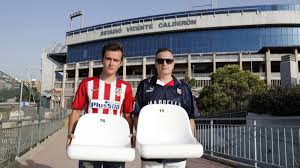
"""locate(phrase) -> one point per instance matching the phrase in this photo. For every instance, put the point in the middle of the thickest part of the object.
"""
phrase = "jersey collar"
(153, 80)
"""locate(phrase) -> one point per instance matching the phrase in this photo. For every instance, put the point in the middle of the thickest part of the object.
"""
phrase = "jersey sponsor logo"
(118, 92)
(164, 102)
(105, 104)
(151, 89)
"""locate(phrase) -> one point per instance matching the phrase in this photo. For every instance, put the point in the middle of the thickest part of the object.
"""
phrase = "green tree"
(29, 93)
(230, 90)
(190, 81)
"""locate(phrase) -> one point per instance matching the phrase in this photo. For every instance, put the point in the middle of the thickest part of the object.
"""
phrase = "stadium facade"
(254, 37)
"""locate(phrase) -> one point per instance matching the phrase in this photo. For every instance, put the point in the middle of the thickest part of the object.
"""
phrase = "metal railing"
(71, 66)
(21, 131)
(83, 64)
(276, 74)
(97, 63)
(200, 74)
(17, 137)
(134, 76)
(261, 142)
(70, 79)
(134, 60)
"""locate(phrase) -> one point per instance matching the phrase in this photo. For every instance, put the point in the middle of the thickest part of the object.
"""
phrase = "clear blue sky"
(28, 26)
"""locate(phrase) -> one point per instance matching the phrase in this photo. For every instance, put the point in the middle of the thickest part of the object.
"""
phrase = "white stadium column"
(62, 100)
(53, 75)
(124, 68)
(268, 66)
(91, 64)
(241, 61)
(214, 62)
(144, 67)
(189, 66)
(76, 76)
(53, 85)
(297, 64)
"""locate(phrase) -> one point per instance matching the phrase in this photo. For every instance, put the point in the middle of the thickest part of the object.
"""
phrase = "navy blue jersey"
(149, 92)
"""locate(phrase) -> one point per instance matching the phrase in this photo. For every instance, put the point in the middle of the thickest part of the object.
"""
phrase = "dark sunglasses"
(161, 61)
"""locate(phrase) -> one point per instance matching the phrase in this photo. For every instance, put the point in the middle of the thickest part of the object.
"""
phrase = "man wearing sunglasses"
(164, 88)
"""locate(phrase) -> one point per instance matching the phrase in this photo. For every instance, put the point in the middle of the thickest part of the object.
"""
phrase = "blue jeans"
(99, 164)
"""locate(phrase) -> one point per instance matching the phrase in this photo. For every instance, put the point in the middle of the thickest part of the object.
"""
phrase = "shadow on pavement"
(29, 164)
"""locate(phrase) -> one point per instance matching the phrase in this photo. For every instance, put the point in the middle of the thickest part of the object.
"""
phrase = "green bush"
(276, 101)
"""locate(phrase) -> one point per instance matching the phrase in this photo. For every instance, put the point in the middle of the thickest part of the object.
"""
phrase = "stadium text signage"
(177, 23)
(146, 27)
(139, 27)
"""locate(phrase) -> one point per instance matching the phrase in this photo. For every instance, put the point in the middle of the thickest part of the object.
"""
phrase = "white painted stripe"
(123, 87)
(101, 93)
(90, 94)
(112, 95)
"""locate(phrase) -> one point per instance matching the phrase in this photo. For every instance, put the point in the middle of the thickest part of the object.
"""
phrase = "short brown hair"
(112, 47)
(162, 50)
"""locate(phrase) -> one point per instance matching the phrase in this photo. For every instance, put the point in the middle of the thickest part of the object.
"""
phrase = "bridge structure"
(7, 81)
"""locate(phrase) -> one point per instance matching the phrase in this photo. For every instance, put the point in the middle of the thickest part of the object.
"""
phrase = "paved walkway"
(51, 154)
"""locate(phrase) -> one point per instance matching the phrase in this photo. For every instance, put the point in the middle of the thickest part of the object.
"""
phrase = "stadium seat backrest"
(102, 129)
(163, 124)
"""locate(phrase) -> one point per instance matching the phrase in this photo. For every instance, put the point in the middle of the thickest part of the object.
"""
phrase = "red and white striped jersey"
(100, 97)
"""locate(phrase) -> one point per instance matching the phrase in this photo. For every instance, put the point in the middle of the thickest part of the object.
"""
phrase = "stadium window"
(196, 14)
(126, 23)
(182, 15)
(147, 20)
(69, 33)
(291, 40)
(158, 18)
(250, 10)
(135, 21)
(170, 17)
(289, 31)
(295, 32)
(221, 12)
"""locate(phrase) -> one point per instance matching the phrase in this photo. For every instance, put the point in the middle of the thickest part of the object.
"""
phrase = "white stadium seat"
(164, 132)
(101, 137)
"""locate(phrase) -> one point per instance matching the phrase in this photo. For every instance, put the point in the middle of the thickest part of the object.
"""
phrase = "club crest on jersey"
(118, 92)
(151, 89)
(179, 91)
